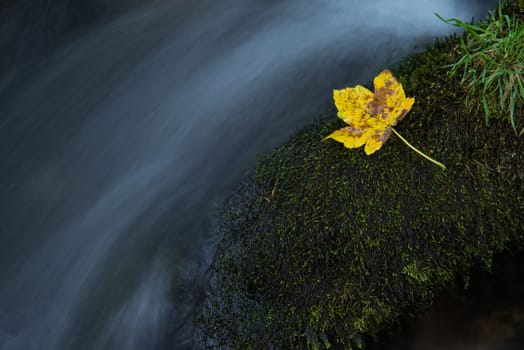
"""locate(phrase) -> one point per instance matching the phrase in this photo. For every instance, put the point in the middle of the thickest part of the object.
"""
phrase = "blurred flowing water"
(120, 143)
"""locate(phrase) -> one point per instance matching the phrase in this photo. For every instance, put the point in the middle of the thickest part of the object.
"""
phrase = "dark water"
(487, 315)
(118, 143)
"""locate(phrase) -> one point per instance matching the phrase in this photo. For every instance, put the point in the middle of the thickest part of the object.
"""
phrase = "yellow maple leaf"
(371, 116)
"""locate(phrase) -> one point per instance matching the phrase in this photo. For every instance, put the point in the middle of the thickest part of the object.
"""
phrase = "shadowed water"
(117, 148)
(487, 315)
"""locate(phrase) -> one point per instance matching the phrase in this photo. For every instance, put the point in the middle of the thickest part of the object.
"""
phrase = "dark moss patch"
(322, 246)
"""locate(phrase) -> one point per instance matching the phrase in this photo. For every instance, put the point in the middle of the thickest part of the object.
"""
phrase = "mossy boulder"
(323, 246)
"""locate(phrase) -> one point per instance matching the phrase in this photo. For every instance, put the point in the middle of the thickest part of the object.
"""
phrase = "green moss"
(322, 246)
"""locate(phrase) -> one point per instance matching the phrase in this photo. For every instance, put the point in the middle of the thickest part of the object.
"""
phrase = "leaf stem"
(416, 150)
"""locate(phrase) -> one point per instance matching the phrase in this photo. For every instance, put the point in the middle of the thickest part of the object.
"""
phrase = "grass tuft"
(492, 63)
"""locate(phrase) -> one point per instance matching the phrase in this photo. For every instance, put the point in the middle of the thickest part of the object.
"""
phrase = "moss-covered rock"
(322, 246)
